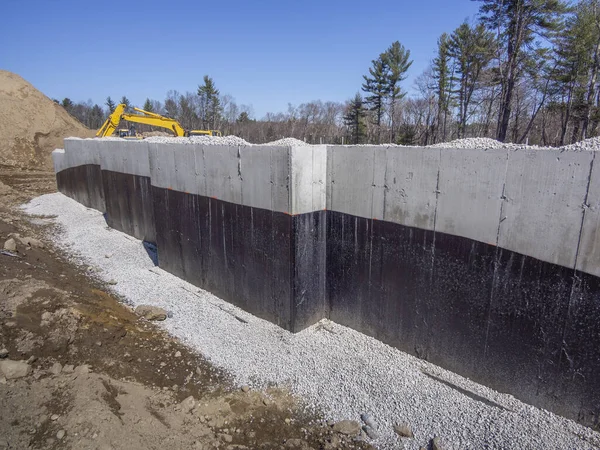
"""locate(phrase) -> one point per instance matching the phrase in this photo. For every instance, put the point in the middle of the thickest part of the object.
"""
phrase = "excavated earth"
(100, 377)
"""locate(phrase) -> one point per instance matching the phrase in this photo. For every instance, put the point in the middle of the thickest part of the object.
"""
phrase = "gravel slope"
(334, 369)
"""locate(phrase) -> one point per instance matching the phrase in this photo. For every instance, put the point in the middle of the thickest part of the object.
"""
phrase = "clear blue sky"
(264, 53)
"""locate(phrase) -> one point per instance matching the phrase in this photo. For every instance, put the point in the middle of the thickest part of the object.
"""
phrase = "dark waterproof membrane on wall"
(509, 321)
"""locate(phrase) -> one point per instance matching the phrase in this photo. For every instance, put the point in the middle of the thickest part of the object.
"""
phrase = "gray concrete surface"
(543, 206)
(589, 246)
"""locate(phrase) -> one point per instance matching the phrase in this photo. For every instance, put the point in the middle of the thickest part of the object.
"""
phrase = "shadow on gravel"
(152, 252)
(469, 394)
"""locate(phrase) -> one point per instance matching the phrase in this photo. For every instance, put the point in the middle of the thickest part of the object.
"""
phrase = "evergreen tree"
(443, 74)
(472, 49)
(67, 104)
(354, 119)
(397, 59)
(243, 117)
(576, 67)
(126, 102)
(377, 87)
(148, 106)
(518, 23)
(210, 103)
(110, 105)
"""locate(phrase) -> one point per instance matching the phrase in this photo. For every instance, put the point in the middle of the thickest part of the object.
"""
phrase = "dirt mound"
(32, 125)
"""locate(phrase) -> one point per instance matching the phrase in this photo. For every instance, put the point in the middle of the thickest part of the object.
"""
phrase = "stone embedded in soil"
(402, 429)
(227, 437)
(56, 368)
(188, 404)
(60, 434)
(245, 388)
(347, 427)
(3, 353)
(14, 369)
(83, 369)
(151, 312)
(68, 368)
(10, 245)
(32, 242)
(436, 444)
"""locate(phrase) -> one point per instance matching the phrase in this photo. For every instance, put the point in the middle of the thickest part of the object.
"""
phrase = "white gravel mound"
(481, 143)
(205, 140)
(289, 141)
(337, 370)
(587, 144)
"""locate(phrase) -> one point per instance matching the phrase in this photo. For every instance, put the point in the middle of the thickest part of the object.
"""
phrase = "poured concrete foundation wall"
(485, 262)
(224, 218)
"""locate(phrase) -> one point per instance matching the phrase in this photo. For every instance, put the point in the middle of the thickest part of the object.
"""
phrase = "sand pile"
(32, 125)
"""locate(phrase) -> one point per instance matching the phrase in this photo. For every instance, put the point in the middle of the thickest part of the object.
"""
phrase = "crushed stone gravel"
(335, 370)
(289, 141)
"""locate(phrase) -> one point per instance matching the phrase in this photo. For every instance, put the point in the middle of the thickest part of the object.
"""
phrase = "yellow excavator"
(148, 118)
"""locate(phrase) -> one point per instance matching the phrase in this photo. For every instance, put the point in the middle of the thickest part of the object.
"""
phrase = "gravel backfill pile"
(480, 143)
(336, 370)
(205, 140)
(289, 141)
(588, 144)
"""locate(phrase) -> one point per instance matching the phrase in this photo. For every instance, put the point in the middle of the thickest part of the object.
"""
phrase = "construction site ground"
(103, 378)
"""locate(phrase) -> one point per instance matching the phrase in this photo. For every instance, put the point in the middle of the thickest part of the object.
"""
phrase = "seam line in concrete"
(496, 257)
(575, 280)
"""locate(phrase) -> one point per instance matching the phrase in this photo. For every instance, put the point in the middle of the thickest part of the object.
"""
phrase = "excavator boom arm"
(112, 122)
(148, 118)
(156, 121)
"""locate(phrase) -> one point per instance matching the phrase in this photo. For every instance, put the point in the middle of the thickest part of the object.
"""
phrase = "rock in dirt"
(60, 434)
(347, 427)
(436, 444)
(245, 388)
(83, 369)
(227, 437)
(403, 430)
(188, 404)
(56, 368)
(151, 312)
(10, 245)
(14, 369)
(297, 444)
(32, 242)
(68, 368)
(3, 353)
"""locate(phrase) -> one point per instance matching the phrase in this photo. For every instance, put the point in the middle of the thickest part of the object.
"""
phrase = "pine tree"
(110, 105)
(148, 106)
(472, 49)
(126, 102)
(210, 103)
(243, 117)
(443, 74)
(397, 59)
(377, 87)
(518, 23)
(354, 119)
(67, 104)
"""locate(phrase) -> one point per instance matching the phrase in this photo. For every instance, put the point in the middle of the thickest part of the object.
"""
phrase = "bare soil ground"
(103, 378)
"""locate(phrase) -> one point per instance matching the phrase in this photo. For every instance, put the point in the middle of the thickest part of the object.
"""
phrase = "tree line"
(523, 71)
